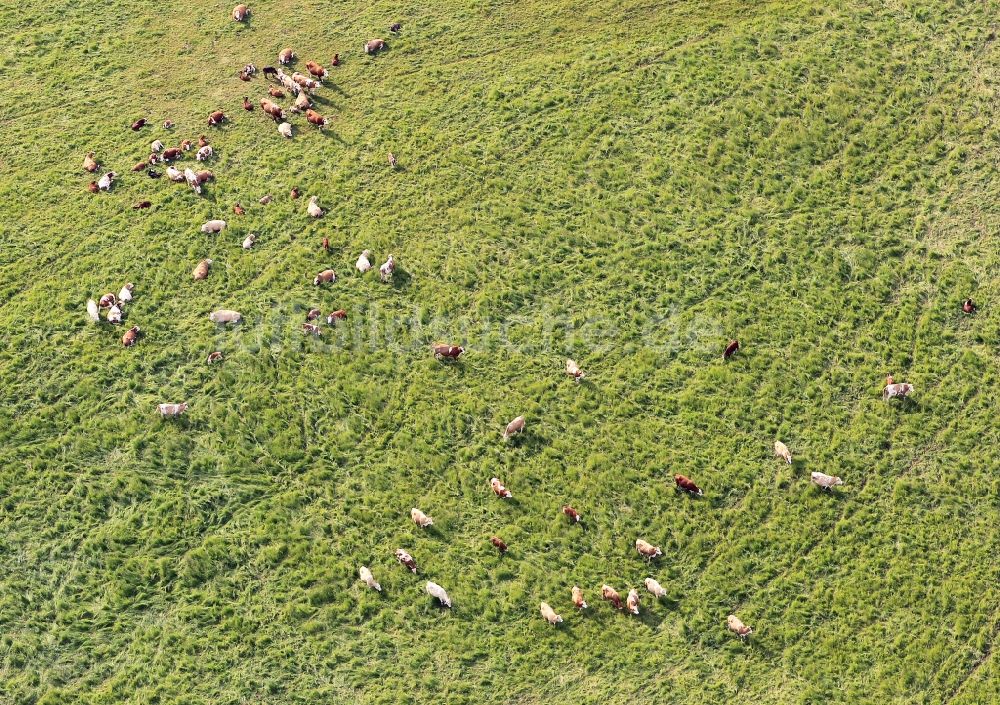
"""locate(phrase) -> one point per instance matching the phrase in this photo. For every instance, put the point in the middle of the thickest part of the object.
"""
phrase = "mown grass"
(629, 185)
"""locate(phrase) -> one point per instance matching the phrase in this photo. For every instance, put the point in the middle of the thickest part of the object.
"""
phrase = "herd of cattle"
(301, 88)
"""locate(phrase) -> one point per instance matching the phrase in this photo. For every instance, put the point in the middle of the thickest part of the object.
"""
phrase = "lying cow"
(224, 316)
(201, 271)
(574, 371)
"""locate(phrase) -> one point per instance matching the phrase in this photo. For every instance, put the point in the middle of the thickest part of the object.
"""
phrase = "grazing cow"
(171, 410)
(138, 124)
(392, 160)
(238, 209)
(438, 593)
(157, 146)
(311, 328)
(385, 272)
(574, 371)
(104, 183)
(968, 306)
(305, 82)
(611, 595)
(214, 226)
(92, 187)
(737, 626)
(224, 315)
(824, 481)
(201, 271)
(285, 56)
(325, 244)
(550, 614)
(373, 46)
(632, 601)
(247, 105)
(731, 349)
(216, 118)
(316, 119)
(574, 516)
(264, 200)
(249, 241)
(240, 12)
(395, 27)
(336, 60)
(420, 519)
(172, 154)
(368, 579)
(781, 450)
(900, 390)
(270, 71)
(272, 109)
(115, 314)
(313, 208)
(141, 205)
(93, 310)
(499, 490)
(316, 70)
(498, 542)
(139, 166)
(578, 600)
(687, 484)
(126, 293)
(513, 428)
(647, 550)
(313, 314)
(327, 276)
(175, 174)
(285, 80)
(655, 588)
(107, 301)
(205, 152)
(407, 560)
(364, 264)
(301, 103)
(89, 163)
(153, 174)
(294, 193)
(214, 357)
(450, 352)
(338, 315)
(285, 130)
(192, 180)
(131, 335)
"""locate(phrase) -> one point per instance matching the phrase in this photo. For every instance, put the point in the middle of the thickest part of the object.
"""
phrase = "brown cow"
(316, 119)
(140, 205)
(611, 595)
(647, 550)
(216, 118)
(498, 542)
(407, 560)
(737, 626)
(201, 271)
(574, 516)
(968, 306)
(89, 163)
(316, 70)
(327, 276)
(131, 335)
(578, 600)
(240, 12)
(138, 124)
(686, 484)
(172, 154)
(275, 92)
(733, 346)
(247, 105)
(140, 166)
(214, 357)
(338, 315)
(450, 352)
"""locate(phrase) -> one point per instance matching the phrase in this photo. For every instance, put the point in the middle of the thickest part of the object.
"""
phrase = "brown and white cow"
(216, 118)
(407, 560)
(687, 484)
(373, 46)
(387, 269)
(578, 600)
(574, 516)
(574, 371)
(131, 336)
(611, 595)
(327, 276)
(316, 70)
(513, 428)
(316, 119)
(338, 315)
(450, 352)
(737, 626)
(171, 410)
(240, 12)
(899, 390)
(286, 56)
(647, 550)
(550, 614)
(499, 490)
(632, 601)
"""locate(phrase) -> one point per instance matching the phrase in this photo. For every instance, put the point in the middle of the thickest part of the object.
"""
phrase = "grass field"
(628, 184)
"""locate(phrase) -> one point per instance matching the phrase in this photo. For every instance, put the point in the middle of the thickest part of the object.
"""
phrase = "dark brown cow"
(216, 118)
(731, 349)
(338, 315)
(139, 124)
(247, 105)
(498, 542)
(450, 352)
(172, 154)
(131, 335)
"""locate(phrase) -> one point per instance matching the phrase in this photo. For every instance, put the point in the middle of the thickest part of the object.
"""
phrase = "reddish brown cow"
(172, 154)
(316, 119)
(139, 124)
(247, 105)
(448, 351)
(574, 516)
(131, 335)
(686, 484)
(216, 118)
(338, 315)
(498, 542)
(315, 69)
(733, 346)
(611, 595)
